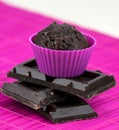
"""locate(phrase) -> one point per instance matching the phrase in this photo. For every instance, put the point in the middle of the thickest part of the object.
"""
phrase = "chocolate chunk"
(87, 85)
(72, 108)
(64, 108)
(61, 37)
(32, 95)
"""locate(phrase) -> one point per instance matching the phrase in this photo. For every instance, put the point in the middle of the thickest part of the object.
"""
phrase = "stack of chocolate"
(57, 99)
(60, 51)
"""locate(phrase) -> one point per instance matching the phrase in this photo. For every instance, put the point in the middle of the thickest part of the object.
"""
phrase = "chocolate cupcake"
(61, 50)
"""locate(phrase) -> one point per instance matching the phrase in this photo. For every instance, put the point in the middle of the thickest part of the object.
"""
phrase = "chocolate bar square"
(32, 95)
(72, 108)
(87, 85)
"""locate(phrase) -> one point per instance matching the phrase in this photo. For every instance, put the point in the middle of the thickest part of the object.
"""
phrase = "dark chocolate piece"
(32, 95)
(72, 108)
(87, 85)
(60, 37)
(64, 109)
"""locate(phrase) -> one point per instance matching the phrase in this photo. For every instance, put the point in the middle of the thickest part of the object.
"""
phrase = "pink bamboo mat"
(15, 28)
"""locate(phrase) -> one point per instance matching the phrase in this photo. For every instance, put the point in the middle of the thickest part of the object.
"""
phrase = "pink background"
(15, 28)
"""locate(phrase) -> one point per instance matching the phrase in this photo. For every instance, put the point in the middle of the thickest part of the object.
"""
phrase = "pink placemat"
(15, 28)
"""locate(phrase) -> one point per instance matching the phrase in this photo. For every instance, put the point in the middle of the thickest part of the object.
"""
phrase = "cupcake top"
(61, 37)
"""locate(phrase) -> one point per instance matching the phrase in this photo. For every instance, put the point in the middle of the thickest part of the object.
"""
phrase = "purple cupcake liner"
(62, 63)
